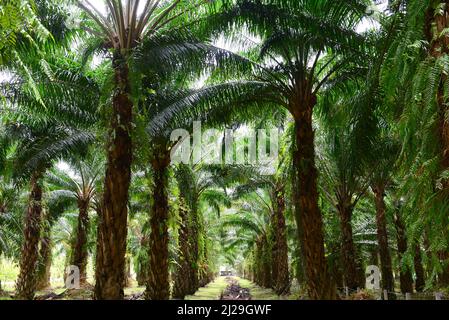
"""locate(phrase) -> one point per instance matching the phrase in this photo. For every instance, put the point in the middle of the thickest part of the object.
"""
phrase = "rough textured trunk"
(352, 269)
(335, 267)
(158, 287)
(419, 270)
(113, 225)
(206, 274)
(266, 264)
(405, 274)
(382, 239)
(273, 242)
(262, 262)
(26, 282)
(43, 273)
(98, 251)
(280, 260)
(194, 229)
(141, 276)
(181, 278)
(80, 249)
(142, 264)
(258, 263)
(319, 281)
(300, 268)
(255, 269)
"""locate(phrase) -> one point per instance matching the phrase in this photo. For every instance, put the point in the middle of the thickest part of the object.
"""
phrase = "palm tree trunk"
(419, 270)
(382, 239)
(266, 264)
(113, 225)
(319, 281)
(26, 282)
(206, 275)
(273, 242)
(258, 263)
(141, 275)
(405, 276)
(142, 266)
(297, 265)
(300, 269)
(181, 278)
(335, 266)
(281, 278)
(80, 249)
(351, 265)
(44, 267)
(194, 256)
(142, 263)
(158, 287)
(262, 267)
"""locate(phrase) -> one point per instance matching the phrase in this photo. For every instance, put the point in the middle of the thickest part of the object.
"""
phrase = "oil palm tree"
(251, 181)
(82, 187)
(40, 133)
(168, 109)
(198, 187)
(125, 25)
(421, 109)
(249, 229)
(41, 146)
(405, 272)
(56, 204)
(381, 180)
(51, 143)
(312, 47)
(345, 177)
(139, 225)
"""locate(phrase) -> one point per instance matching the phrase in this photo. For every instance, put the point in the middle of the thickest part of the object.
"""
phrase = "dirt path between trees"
(234, 291)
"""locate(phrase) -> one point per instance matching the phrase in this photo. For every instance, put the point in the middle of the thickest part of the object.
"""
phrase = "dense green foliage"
(93, 96)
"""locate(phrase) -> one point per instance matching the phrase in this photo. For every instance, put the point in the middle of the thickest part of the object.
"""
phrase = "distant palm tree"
(249, 228)
(251, 181)
(345, 178)
(57, 203)
(169, 108)
(37, 148)
(40, 133)
(197, 186)
(83, 189)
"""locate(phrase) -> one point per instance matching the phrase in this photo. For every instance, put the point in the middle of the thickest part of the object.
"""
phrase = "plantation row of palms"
(91, 92)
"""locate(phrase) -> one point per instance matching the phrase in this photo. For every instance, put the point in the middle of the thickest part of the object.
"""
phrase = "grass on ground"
(258, 293)
(211, 291)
